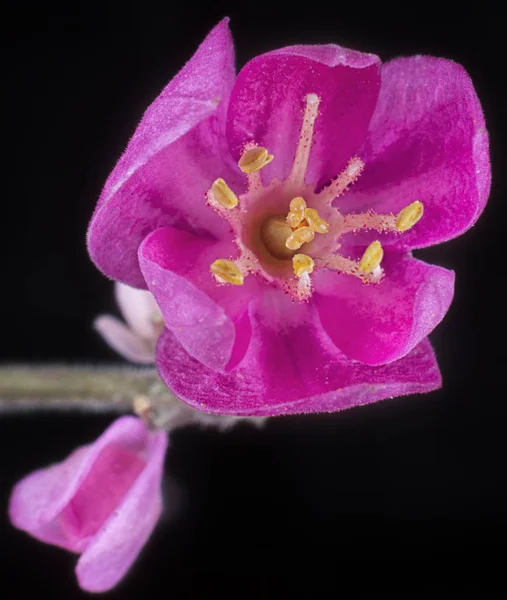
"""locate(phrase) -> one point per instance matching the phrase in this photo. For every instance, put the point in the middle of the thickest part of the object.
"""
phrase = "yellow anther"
(227, 272)
(409, 216)
(224, 195)
(254, 159)
(302, 263)
(372, 258)
(296, 212)
(315, 221)
(299, 237)
(297, 204)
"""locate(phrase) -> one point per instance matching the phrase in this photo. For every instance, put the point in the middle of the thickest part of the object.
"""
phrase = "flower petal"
(176, 152)
(427, 141)
(380, 323)
(42, 502)
(124, 341)
(269, 96)
(202, 314)
(291, 367)
(138, 307)
(118, 543)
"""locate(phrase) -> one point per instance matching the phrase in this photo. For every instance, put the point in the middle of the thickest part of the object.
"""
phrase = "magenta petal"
(379, 323)
(202, 314)
(427, 141)
(291, 367)
(118, 543)
(68, 503)
(178, 149)
(269, 96)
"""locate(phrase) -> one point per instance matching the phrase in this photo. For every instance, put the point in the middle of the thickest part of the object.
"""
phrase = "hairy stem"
(81, 387)
(101, 389)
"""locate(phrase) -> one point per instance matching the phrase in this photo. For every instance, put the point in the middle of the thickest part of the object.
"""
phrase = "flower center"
(283, 235)
(285, 230)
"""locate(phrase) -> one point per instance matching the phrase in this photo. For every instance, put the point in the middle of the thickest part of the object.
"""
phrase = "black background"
(382, 496)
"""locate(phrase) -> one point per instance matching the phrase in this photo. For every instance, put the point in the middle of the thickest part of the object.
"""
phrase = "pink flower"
(273, 214)
(102, 502)
(135, 341)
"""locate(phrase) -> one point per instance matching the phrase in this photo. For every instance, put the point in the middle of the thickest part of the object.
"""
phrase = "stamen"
(315, 221)
(254, 159)
(304, 287)
(340, 263)
(226, 271)
(272, 240)
(302, 263)
(369, 220)
(344, 179)
(297, 212)
(305, 140)
(224, 195)
(301, 236)
(372, 257)
(409, 216)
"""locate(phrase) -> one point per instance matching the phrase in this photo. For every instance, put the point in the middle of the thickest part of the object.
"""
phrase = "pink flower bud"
(101, 502)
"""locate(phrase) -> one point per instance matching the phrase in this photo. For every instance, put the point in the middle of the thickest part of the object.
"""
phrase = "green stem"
(101, 389)
(80, 387)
